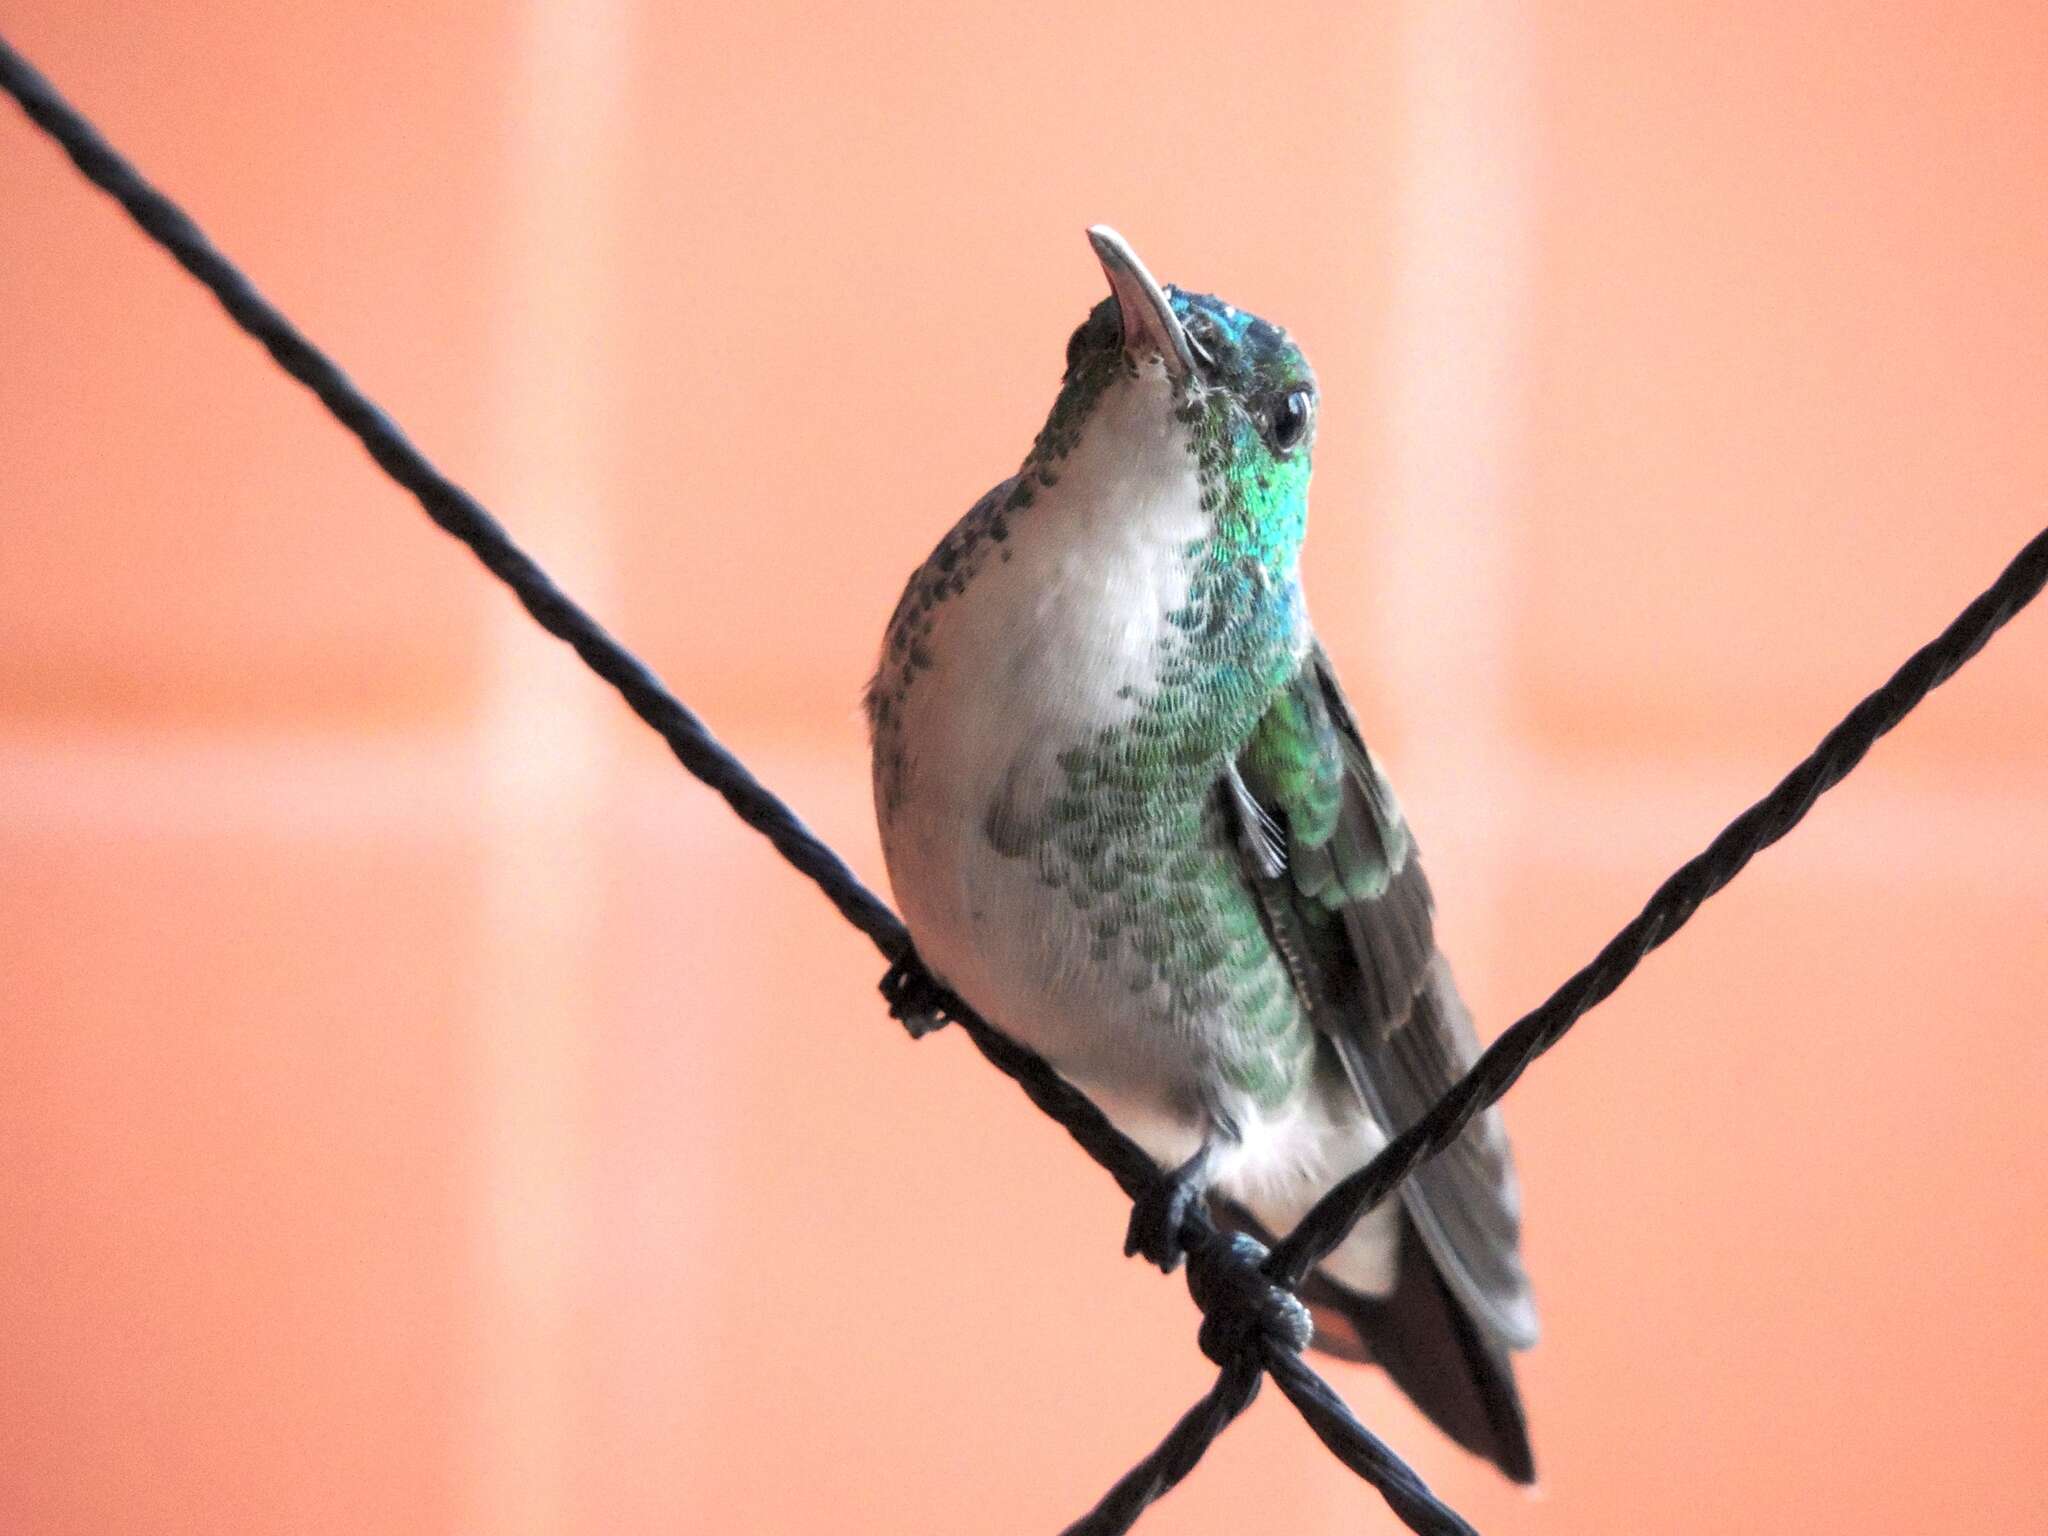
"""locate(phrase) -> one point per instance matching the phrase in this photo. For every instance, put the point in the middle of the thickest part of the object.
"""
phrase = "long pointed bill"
(1151, 329)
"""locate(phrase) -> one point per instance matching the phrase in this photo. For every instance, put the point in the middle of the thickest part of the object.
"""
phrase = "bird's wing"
(1336, 869)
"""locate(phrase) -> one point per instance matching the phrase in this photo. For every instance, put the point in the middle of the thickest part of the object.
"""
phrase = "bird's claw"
(1156, 1215)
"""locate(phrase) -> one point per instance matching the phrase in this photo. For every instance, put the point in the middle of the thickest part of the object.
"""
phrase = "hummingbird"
(1131, 819)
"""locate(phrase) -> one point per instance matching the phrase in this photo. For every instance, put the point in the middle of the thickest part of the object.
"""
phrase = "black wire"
(1257, 1349)
(1177, 1454)
(1361, 1450)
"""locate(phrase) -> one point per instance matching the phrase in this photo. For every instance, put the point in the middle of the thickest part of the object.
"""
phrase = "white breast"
(1054, 638)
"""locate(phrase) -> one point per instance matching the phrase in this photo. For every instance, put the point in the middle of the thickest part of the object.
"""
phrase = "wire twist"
(1252, 1321)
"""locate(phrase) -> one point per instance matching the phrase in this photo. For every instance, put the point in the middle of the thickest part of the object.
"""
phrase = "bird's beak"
(1151, 329)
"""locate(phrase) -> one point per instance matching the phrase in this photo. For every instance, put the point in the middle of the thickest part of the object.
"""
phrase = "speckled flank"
(1136, 836)
(946, 574)
(951, 567)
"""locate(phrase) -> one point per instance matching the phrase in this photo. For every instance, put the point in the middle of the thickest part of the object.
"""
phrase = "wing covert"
(1353, 915)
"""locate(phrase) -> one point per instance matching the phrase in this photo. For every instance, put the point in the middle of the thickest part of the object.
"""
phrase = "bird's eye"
(1287, 419)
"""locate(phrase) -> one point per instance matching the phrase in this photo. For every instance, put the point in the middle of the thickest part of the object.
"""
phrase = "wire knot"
(1241, 1305)
(915, 998)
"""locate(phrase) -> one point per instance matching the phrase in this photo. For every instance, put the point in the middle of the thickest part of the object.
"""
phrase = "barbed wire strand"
(1244, 1293)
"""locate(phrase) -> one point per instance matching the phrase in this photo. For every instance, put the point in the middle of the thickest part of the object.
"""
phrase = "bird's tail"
(1421, 1337)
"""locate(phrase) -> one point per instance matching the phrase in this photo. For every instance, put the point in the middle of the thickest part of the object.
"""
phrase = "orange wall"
(426, 1110)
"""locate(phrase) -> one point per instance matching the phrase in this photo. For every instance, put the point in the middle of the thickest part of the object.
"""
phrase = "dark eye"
(1287, 419)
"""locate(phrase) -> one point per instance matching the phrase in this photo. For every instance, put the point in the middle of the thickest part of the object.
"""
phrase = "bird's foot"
(1156, 1215)
(915, 999)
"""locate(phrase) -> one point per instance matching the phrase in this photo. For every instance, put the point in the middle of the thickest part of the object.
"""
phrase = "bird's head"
(1229, 385)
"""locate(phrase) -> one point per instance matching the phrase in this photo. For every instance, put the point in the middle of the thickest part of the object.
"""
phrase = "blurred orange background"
(425, 1109)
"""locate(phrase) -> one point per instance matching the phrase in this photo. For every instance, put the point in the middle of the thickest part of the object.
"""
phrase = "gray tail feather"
(1422, 1339)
